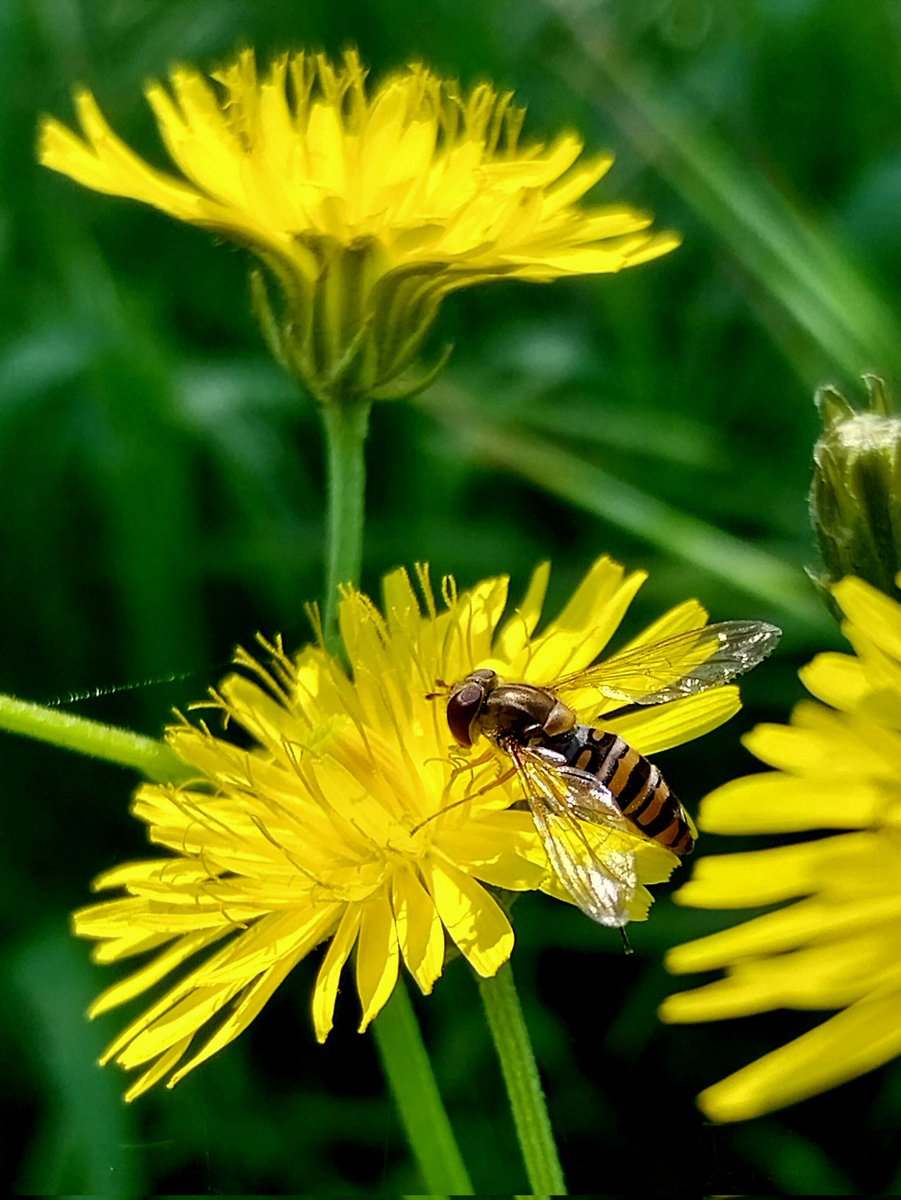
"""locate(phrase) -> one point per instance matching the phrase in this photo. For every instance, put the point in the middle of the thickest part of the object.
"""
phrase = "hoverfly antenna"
(627, 945)
(439, 683)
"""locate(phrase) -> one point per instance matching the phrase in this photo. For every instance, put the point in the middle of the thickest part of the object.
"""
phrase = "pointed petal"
(419, 930)
(813, 920)
(514, 635)
(837, 679)
(581, 631)
(151, 973)
(777, 803)
(326, 990)
(248, 1009)
(855, 1041)
(849, 863)
(869, 609)
(662, 726)
(159, 1070)
(377, 958)
(473, 919)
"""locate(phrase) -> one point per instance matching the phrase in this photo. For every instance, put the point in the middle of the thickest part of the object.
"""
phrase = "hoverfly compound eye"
(462, 709)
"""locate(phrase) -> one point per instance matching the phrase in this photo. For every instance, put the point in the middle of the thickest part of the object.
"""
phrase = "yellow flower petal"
(855, 1041)
(808, 745)
(844, 863)
(777, 803)
(419, 931)
(812, 920)
(688, 615)
(248, 1009)
(830, 974)
(838, 767)
(476, 923)
(837, 679)
(181, 1020)
(502, 849)
(659, 727)
(151, 973)
(159, 1070)
(326, 990)
(578, 635)
(870, 610)
(514, 635)
(377, 958)
(279, 935)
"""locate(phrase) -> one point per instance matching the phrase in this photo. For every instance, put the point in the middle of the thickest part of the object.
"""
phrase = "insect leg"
(502, 778)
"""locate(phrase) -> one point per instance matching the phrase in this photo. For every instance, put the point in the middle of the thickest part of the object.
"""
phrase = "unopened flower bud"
(855, 496)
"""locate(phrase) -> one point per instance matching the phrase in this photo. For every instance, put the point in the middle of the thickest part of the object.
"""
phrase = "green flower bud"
(855, 496)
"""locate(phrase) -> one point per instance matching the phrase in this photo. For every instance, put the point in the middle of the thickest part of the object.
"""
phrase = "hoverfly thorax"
(484, 705)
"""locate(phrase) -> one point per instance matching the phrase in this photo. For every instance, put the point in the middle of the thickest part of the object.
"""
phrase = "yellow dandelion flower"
(327, 829)
(837, 767)
(368, 206)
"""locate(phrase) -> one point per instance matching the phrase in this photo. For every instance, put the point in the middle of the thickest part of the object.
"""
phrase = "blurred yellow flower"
(837, 767)
(368, 208)
(316, 832)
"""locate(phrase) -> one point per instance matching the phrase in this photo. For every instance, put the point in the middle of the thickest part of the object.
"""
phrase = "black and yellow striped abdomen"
(639, 789)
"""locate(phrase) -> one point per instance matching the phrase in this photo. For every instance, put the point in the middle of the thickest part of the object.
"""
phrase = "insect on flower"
(573, 774)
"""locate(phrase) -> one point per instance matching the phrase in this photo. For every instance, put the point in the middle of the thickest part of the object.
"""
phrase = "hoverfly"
(574, 774)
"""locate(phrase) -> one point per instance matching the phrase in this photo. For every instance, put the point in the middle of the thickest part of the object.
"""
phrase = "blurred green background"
(163, 501)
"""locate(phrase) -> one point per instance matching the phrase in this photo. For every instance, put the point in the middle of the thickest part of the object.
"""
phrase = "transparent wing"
(602, 881)
(678, 666)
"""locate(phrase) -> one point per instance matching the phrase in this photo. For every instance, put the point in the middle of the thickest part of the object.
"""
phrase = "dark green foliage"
(163, 500)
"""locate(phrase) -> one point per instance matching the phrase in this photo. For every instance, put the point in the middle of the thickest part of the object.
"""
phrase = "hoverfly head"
(465, 703)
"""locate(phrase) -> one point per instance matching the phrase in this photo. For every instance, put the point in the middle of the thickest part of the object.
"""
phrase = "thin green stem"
(398, 1038)
(153, 759)
(346, 424)
(411, 1079)
(530, 1116)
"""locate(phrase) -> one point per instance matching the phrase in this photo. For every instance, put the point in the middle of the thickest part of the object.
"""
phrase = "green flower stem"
(409, 1072)
(396, 1030)
(153, 759)
(346, 423)
(533, 1126)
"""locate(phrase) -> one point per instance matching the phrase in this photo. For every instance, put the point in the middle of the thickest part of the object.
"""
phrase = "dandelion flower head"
(836, 767)
(325, 828)
(368, 205)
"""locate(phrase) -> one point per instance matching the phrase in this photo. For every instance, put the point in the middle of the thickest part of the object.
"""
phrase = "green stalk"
(152, 758)
(409, 1072)
(346, 424)
(530, 1116)
(397, 1036)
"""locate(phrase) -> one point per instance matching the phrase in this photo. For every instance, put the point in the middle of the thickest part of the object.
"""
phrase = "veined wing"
(602, 883)
(678, 666)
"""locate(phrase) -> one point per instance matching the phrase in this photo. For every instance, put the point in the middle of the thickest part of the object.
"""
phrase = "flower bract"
(836, 775)
(854, 493)
(367, 205)
(338, 822)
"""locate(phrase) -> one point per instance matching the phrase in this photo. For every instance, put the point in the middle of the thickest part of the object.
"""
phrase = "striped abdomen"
(639, 789)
